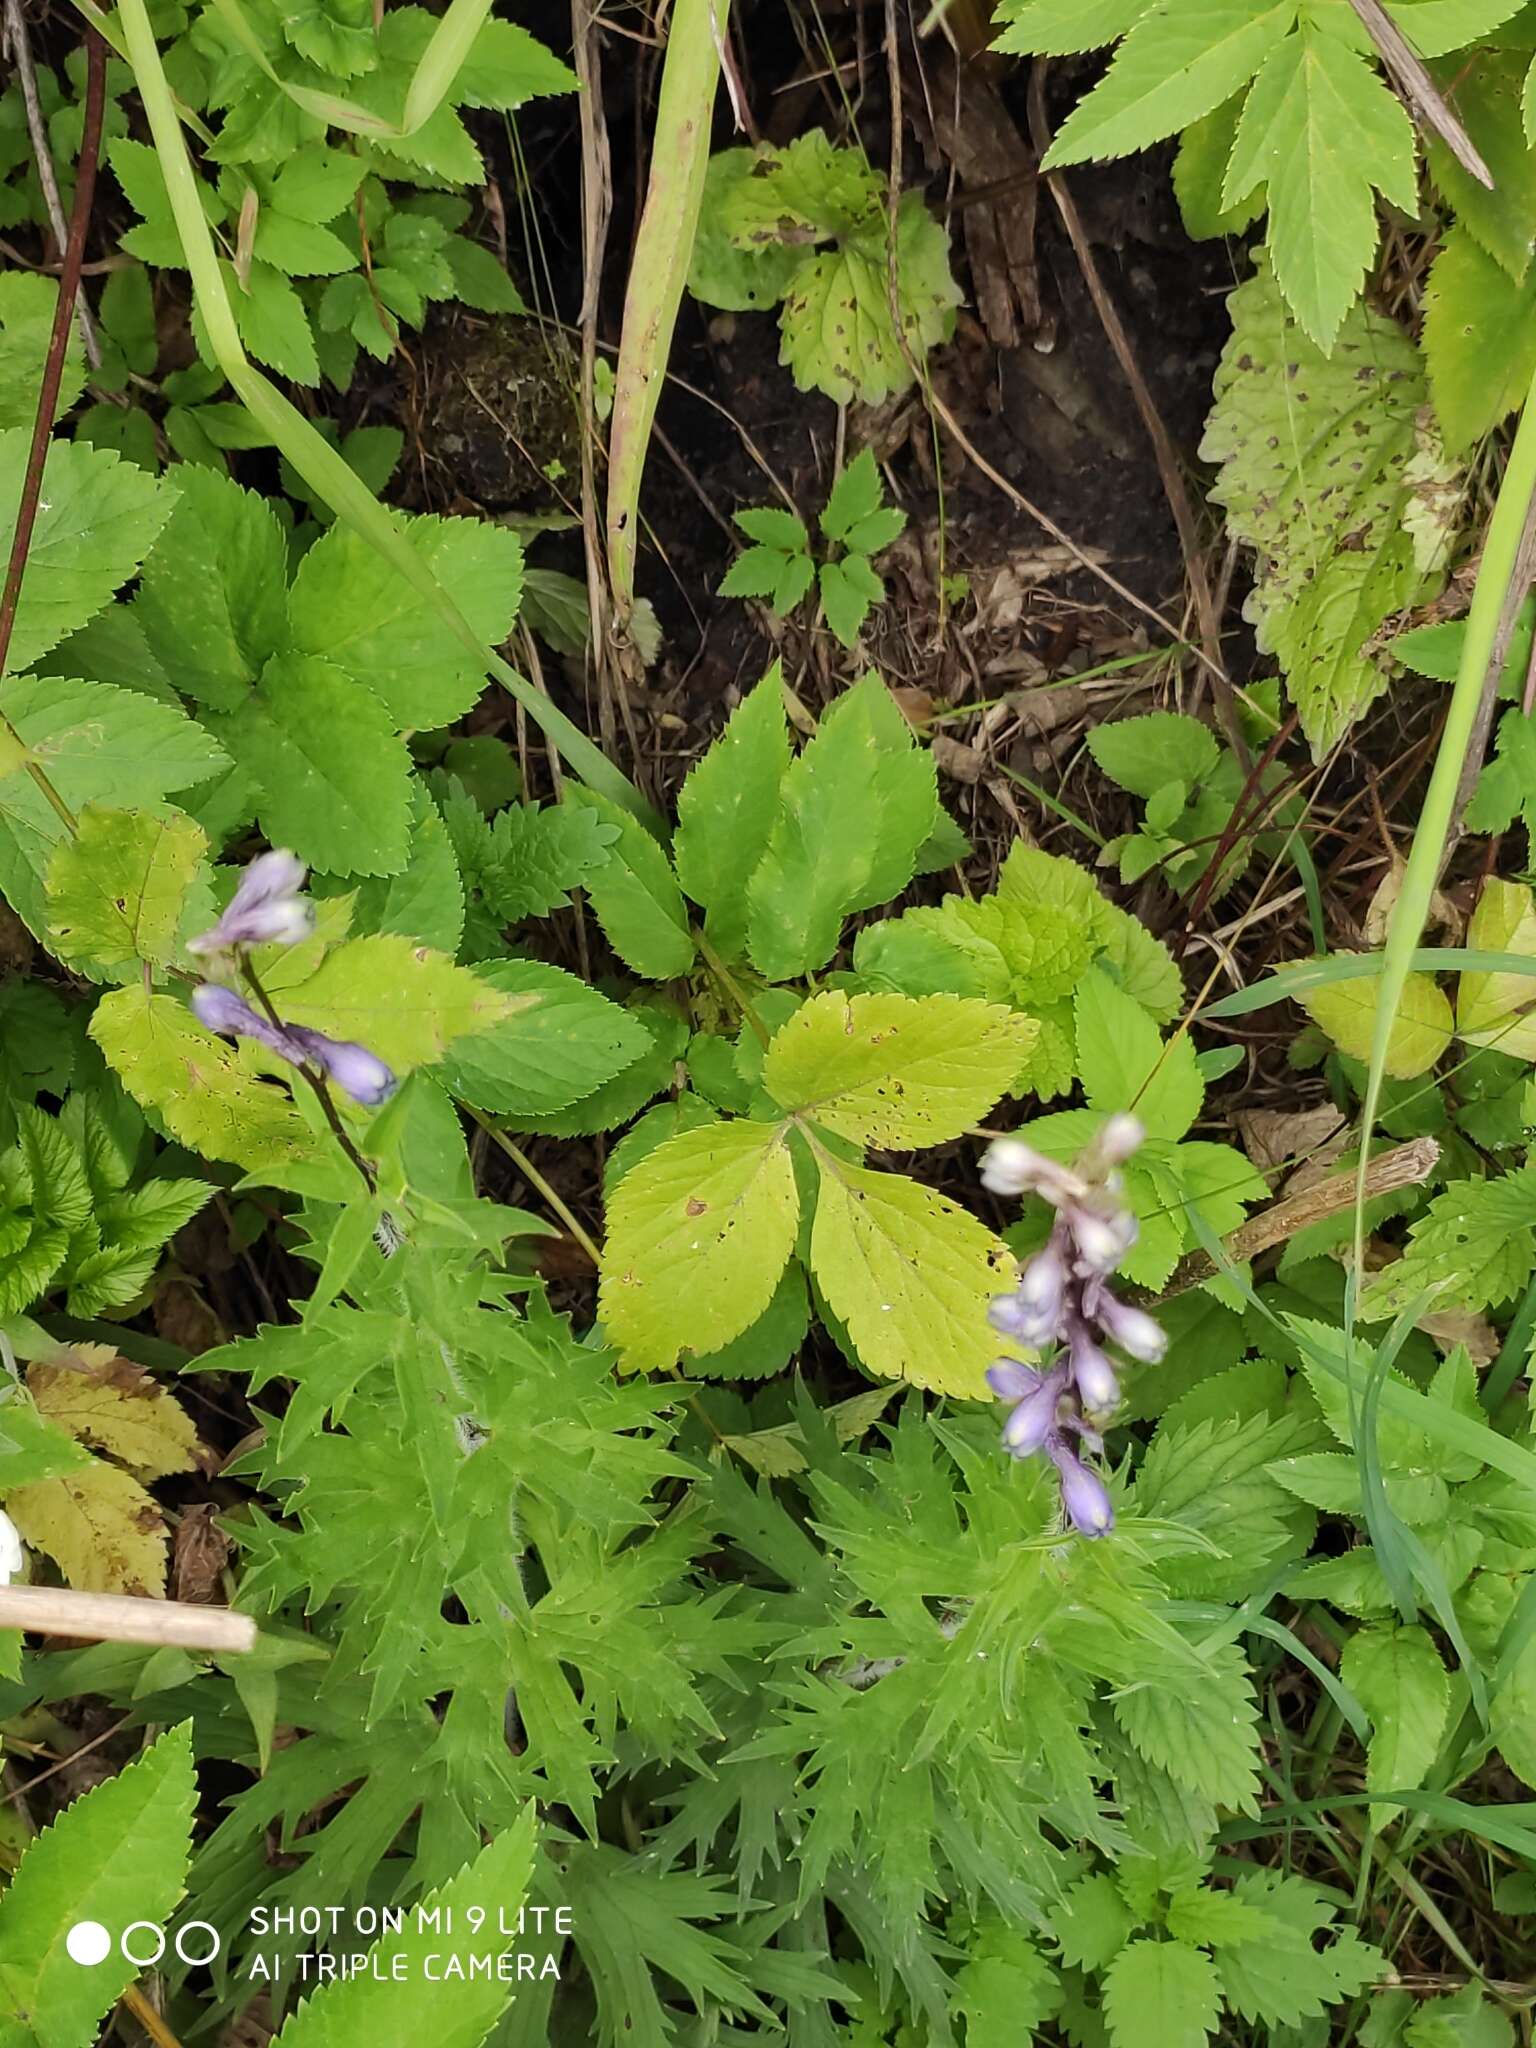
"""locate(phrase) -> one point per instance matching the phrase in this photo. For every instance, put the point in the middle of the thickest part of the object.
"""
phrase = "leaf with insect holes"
(726, 809)
(1398, 1677)
(116, 1853)
(720, 272)
(895, 1071)
(635, 894)
(120, 893)
(698, 1235)
(909, 1274)
(1472, 1248)
(1493, 1009)
(1322, 134)
(837, 332)
(1421, 1023)
(1317, 456)
(1287, 1978)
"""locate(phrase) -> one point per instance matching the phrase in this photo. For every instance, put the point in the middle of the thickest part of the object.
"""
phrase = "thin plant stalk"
(321, 467)
(659, 269)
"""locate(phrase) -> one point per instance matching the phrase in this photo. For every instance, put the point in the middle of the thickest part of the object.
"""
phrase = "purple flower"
(1131, 1328)
(1084, 1495)
(1032, 1312)
(1092, 1374)
(221, 1010)
(1033, 1419)
(1102, 1241)
(355, 1070)
(265, 909)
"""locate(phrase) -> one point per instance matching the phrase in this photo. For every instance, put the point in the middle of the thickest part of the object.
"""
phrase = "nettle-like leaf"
(1286, 1978)
(118, 1853)
(1397, 1676)
(1163, 1989)
(698, 1234)
(559, 1041)
(635, 894)
(1326, 471)
(1491, 1008)
(1472, 1247)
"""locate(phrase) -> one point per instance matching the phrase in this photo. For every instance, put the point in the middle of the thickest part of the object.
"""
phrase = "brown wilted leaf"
(199, 1553)
(115, 1406)
(99, 1526)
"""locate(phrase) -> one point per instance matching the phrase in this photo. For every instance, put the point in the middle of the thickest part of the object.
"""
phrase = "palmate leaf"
(1315, 454)
(1322, 133)
(893, 1071)
(909, 1275)
(698, 1234)
(117, 1854)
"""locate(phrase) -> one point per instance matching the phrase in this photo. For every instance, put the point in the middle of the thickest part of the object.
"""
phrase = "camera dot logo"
(88, 1942)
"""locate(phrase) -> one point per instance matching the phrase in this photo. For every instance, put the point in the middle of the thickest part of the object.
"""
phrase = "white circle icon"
(88, 1942)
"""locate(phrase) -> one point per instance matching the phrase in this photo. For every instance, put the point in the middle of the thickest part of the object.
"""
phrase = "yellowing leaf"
(698, 1234)
(114, 1406)
(200, 1087)
(1421, 1030)
(403, 1001)
(1488, 1006)
(99, 1526)
(909, 1274)
(117, 891)
(896, 1071)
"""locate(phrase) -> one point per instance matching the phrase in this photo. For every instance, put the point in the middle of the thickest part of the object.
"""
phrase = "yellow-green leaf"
(909, 1275)
(896, 1071)
(403, 1001)
(698, 1234)
(114, 1406)
(1488, 1006)
(100, 1527)
(1421, 1030)
(205, 1091)
(118, 891)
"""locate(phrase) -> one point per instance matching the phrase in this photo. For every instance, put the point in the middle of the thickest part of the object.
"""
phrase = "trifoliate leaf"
(118, 891)
(1421, 1022)
(1313, 451)
(698, 1235)
(352, 607)
(1397, 1676)
(635, 894)
(1161, 1991)
(1322, 134)
(726, 809)
(855, 495)
(909, 1275)
(332, 779)
(894, 1071)
(1177, 63)
(118, 1853)
(560, 1041)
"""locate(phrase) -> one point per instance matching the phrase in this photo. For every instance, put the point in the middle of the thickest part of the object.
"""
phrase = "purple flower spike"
(355, 1070)
(222, 1011)
(1033, 1420)
(265, 909)
(1038, 1297)
(1083, 1493)
(1101, 1241)
(1010, 1380)
(1092, 1375)
(1131, 1328)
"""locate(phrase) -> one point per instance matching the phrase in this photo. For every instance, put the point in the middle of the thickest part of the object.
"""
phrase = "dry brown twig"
(1419, 89)
(118, 1618)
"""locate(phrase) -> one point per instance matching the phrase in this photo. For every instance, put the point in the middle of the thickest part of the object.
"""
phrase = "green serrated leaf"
(635, 894)
(560, 1042)
(118, 891)
(726, 809)
(698, 1235)
(1479, 339)
(1161, 1991)
(1397, 1676)
(212, 598)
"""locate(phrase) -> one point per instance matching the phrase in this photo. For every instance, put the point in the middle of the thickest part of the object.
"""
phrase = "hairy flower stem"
(48, 397)
(322, 1092)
